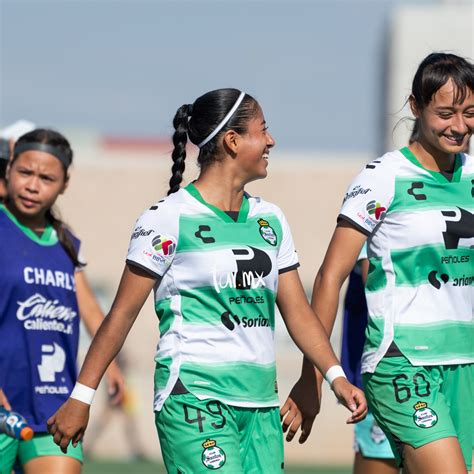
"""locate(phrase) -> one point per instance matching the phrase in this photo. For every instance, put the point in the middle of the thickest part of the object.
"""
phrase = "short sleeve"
(368, 197)
(287, 256)
(153, 241)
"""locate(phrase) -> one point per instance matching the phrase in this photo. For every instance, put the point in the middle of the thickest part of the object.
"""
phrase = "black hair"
(54, 139)
(198, 120)
(435, 70)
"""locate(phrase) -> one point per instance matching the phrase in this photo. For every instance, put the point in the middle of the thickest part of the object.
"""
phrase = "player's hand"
(4, 401)
(115, 384)
(352, 398)
(69, 423)
(300, 409)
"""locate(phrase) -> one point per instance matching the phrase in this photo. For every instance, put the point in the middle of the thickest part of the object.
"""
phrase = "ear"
(413, 106)
(231, 141)
(65, 185)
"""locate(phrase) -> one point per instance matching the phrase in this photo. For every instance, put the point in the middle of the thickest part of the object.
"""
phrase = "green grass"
(141, 467)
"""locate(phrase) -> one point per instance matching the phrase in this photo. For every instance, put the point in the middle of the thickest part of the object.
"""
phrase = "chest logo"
(267, 232)
(415, 186)
(206, 239)
(459, 225)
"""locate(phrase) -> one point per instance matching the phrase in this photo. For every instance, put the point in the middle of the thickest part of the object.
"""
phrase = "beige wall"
(107, 193)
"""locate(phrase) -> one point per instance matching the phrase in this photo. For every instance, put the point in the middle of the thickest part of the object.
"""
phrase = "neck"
(431, 158)
(36, 223)
(221, 188)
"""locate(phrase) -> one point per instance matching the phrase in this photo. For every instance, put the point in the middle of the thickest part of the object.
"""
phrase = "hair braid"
(180, 138)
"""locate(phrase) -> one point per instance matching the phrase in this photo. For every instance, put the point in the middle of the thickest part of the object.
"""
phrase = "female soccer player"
(415, 206)
(217, 259)
(43, 294)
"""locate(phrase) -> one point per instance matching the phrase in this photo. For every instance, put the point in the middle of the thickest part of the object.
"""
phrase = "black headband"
(52, 150)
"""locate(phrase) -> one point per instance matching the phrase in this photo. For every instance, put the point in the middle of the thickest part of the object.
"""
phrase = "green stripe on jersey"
(162, 372)
(422, 192)
(208, 232)
(444, 340)
(376, 278)
(374, 333)
(206, 306)
(246, 382)
(427, 263)
(165, 314)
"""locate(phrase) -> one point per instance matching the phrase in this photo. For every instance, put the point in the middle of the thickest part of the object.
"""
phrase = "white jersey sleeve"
(154, 240)
(287, 256)
(369, 196)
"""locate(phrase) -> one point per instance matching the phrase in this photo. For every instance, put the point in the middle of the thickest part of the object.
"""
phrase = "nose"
(270, 141)
(460, 125)
(32, 185)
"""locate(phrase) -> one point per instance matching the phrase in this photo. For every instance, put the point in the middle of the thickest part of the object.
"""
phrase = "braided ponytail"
(180, 138)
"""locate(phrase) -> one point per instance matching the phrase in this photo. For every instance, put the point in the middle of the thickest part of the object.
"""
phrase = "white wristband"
(333, 373)
(83, 393)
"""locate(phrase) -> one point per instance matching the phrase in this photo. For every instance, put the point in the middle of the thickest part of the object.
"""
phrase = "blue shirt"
(39, 320)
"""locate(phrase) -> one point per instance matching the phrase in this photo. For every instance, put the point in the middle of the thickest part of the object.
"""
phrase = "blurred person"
(43, 293)
(373, 454)
(4, 157)
(218, 260)
(414, 207)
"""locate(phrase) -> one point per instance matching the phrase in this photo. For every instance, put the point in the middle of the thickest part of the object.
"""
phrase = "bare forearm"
(105, 346)
(310, 336)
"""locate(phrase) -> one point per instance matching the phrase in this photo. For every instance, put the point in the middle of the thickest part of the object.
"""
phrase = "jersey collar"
(409, 155)
(48, 237)
(243, 212)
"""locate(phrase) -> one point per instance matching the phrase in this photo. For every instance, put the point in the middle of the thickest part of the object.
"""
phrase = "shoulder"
(467, 162)
(258, 205)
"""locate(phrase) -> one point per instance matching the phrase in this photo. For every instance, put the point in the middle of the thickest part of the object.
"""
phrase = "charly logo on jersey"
(213, 457)
(424, 417)
(354, 192)
(162, 248)
(267, 232)
(39, 313)
(414, 191)
(231, 321)
(53, 360)
(253, 265)
(141, 232)
(376, 210)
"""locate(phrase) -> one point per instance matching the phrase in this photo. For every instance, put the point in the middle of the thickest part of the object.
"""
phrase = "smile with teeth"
(454, 138)
(265, 156)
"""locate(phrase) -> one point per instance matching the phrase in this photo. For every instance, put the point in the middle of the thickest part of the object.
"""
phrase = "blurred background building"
(332, 77)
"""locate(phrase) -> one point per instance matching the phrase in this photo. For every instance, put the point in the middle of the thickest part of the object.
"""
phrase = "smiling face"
(254, 148)
(34, 181)
(446, 126)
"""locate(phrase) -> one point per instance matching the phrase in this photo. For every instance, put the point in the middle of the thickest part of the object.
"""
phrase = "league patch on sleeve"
(161, 249)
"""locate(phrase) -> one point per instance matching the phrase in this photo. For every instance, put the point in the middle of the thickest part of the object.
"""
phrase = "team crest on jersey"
(424, 417)
(212, 457)
(267, 232)
(376, 210)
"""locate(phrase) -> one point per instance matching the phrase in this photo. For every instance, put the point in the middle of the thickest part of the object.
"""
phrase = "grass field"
(140, 467)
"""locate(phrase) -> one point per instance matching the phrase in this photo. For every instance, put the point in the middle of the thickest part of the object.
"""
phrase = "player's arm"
(303, 403)
(70, 421)
(92, 317)
(310, 336)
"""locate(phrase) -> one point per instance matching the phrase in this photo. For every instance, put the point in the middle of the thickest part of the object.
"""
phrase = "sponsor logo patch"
(424, 417)
(355, 191)
(376, 210)
(212, 457)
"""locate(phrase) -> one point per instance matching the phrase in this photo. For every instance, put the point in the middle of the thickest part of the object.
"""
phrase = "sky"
(124, 67)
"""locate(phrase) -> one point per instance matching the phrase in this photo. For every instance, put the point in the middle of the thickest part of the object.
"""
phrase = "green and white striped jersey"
(420, 247)
(216, 299)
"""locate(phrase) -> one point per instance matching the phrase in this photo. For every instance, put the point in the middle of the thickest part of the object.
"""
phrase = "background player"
(218, 259)
(415, 207)
(43, 292)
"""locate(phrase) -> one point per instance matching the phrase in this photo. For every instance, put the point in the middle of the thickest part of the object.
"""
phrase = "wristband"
(333, 373)
(82, 393)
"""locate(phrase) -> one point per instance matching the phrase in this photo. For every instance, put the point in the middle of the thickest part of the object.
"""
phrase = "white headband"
(224, 120)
